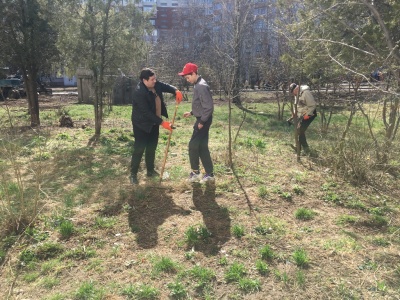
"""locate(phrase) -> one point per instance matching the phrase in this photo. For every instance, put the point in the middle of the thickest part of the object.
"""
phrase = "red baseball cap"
(189, 68)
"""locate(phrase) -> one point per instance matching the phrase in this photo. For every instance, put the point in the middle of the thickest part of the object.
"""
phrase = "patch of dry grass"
(121, 231)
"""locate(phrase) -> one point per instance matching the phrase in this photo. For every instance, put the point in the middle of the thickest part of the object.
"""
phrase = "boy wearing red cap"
(202, 110)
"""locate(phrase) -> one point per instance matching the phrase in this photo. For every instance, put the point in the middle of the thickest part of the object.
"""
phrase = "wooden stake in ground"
(168, 142)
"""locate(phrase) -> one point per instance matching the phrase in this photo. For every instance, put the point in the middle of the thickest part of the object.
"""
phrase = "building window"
(260, 11)
(147, 8)
(217, 18)
(259, 25)
(217, 6)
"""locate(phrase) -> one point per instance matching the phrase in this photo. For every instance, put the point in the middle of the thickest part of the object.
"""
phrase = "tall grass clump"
(19, 197)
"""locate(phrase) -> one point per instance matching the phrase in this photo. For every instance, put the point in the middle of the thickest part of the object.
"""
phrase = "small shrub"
(262, 267)
(286, 196)
(196, 234)
(262, 229)
(267, 253)
(48, 250)
(284, 277)
(238, 231)
(381, 286)
(248, 285)
(48, 266)
(79, 253)
(223, 261)
(263, 192)
(300, 258)
(260, 144)
(381, 242)
(87, 290)
(377, 221)
(346, 219)
(31, 277)
(66, 229)
(165, 264)
(141, 291)
(63, 136)
(202, 275)
(49, 282)
(123, 138)
(26, 257)
(177, 290)
(104, 222)
(300, 278)
(331, 196)
(298, 190)
(189, 255)
(304, 214)
(56, 296)
(235, 272)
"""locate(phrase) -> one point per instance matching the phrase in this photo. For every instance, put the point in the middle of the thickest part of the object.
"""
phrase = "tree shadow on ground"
(150, 207)
(215, 217)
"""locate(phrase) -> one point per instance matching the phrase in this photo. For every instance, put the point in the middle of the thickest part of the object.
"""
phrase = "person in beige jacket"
(306, 110)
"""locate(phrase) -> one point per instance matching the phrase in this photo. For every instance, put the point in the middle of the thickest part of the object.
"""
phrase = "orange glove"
(306, 117)
(166, 125)
(178, 96)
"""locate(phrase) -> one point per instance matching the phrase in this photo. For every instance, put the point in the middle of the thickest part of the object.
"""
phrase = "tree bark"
(33, 100)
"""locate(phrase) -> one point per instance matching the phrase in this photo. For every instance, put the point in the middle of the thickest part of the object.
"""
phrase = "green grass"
(248, 285)
(267, 253)
(89, 290)
(85, 236)
(262, 267)
(201, 275)
(304, 214)
(235, 272)
(164, 264)
(300, 257)
(104, 222)
(141, 291)
(238, 230)
(177, 290)
(66, 229)
(346, 219)
(196, 234)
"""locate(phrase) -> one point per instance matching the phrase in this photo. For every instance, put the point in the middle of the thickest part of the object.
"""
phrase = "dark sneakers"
(134, 179)
(153, 173)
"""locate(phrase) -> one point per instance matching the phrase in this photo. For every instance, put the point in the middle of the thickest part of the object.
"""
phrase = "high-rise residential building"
(194, 24)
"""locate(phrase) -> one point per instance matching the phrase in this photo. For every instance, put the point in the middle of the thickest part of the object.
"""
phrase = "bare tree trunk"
(33, 100)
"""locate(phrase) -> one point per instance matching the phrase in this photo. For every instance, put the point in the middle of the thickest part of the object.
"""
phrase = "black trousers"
(302, 130)
(198, 147)
(144, 142)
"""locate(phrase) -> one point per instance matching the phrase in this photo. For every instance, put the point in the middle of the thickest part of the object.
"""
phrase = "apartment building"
(191, 22)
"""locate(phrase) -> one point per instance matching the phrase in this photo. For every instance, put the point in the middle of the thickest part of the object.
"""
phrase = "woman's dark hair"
(146, 73)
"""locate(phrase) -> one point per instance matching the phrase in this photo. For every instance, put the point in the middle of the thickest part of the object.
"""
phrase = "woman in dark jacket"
(147, 108)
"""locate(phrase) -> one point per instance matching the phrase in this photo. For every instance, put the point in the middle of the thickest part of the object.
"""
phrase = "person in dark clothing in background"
(147, 109)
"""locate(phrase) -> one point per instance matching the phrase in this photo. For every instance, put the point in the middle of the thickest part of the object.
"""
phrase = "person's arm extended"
(167, 88)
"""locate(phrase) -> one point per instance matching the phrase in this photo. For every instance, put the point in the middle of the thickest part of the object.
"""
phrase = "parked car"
(11, 88)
